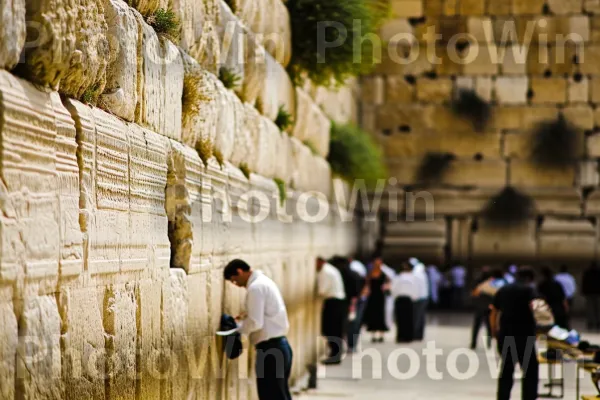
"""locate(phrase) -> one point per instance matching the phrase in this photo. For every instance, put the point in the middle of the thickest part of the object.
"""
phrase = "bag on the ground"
(542, 313)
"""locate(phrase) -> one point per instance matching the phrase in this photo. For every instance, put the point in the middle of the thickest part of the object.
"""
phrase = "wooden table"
(590, 368)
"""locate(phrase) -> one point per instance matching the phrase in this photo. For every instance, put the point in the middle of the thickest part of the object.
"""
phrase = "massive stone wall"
(117, 218)
(528, 59)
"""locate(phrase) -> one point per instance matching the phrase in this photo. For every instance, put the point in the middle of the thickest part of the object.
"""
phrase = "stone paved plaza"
(468, 377)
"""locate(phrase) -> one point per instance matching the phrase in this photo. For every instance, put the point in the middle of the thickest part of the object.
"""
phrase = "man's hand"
(241, 317)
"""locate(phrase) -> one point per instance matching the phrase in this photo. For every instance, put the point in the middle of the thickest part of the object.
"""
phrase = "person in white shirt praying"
(266, 323)
(331, 289)
(420, 305)
(405, 293)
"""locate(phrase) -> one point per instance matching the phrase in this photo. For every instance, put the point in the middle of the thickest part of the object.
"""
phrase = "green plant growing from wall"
(284, 120)
(230, 79)
(282, 190)
(219, 157)
(91, 94)
(165, 23)
(311, 147)
(192, 97)
(328, 47)
(245, 170)
(353, 155)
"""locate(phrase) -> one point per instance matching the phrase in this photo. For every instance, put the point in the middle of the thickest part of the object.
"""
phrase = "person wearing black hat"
(266, 323)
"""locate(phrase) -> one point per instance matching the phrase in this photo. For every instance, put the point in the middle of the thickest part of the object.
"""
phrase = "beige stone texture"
(582, 116)
(595, 90)
(513, 59)
(277, 91)
(391, 117)
(549, 90)
(481, 28)
(539, 60)
(200, 112)
(518, 243)
(9, 337)
(591, 6)
(593, 146)
(12, 33)
(499, 7)
(373, 90)
(527, 7)
(461, 144)
(82, 344)
(255, 69)
(397, 59)
(120, 93)
(341, 104)
(434, 90)
(525, 174)
(480, 60)
(472, 7)
(148, 7)
(74, 59)
(204, 45)
(434, 117)
(511, 90)
(398, 28)
(484, 86)
(590, 60)
(587, 174)
(234, 42)
(579, 29)
(312, 125)
(161, 86)
(397, 90)
(148, 317)
(39, 330)
(567, 239)
(565, 201)
(563, 7)
(40, 187)
(407, 8)
(579, 92)
(226, 121)
(451, 7)
(119, 319)
(424, 240)
(433, 8)
(595, 27)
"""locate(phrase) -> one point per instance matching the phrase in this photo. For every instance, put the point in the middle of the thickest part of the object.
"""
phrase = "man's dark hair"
(564, 269)
(497, 273)
(232, 268)
(526, 275)
(547, 272)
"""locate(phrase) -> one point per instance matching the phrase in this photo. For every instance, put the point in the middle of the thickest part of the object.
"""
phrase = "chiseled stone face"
(12, 32)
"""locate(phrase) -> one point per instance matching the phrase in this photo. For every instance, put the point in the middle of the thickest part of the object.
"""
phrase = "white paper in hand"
(229, 332)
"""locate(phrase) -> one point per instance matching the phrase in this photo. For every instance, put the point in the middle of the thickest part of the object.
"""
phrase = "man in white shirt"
(405, 293)
(333, 318)
(420, 306)
(266, 324)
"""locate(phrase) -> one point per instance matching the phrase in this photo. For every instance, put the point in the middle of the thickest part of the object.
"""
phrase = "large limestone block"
(460, 144)
(184, 206)
(513, 59)
(525, 174)
(39, 175)
(241, 239)
(217, 217)
(579, 90)
(499, 7)
(148, 7)
(242, 142)
(38, 361)
(234, 40)
(439, 118)
(277, 91)
(120, 93)
(398, 90)
(511, 90)
(486, 173)
(148, 317)
(581, 116)
(481, 59)
(9, 337)
(200, 108)
(204, 45)
(591, 6)
(103, 155)
(312, 125)
(472, 7)
(161, 84)
(434, 90)
(147, 183)
(392, 117)
(407, 8)
(589, 60)
(121, 341)
(555, 201)
(255, 71)
(372, 90)
(12, 32)
(549, 90)
(267, 164)
(567, 240)
(518, 243)
(529, 7)
(425, 240)
(84, 356)
(396, 29)
(74, 59)
(198, 332)
(302, 157)
(593, 146)
(226, 122)
(563, 7)
(519, 145)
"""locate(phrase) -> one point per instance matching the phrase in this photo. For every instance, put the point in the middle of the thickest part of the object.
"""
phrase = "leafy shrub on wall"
(328, 47)
(353, 155)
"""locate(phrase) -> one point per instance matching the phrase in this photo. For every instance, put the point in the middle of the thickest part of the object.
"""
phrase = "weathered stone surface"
(204, 44)
(200, 106)
(161, 84)
(255, 69)
(518, 243)
(425, 240)
(119, 305)
(148, 321)
(407, 8)
(579, 91)
(312, 125)
(277, 91)
(511, 90)
(234, 41)
(481, 29)
(82, 344)
(38, 362)
(434, 90)
(582, 116)
(460, 144)
(472, 7)
(74, 59)
(12, 33)
(514, 59)
(372, 90)
(397, 90)
(564, 239)
(530, 7)
(396, 29)
(549, 90)
(562, 7)
(526, 174)
(593, 146)
(9, 337)
(499, 7)
(480, 60)
(120, 93)
(148, 7)
(591, 6)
